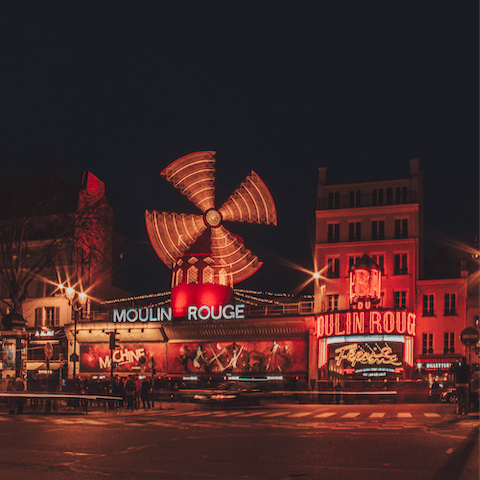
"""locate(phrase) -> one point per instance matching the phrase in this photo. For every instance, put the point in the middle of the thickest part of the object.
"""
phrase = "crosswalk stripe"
(254, 414)
(277, 414)
(404, 415)
(351, 415)
(377, 415)
(432, 415)
(226, 414)
(298, 415)
(325, 415)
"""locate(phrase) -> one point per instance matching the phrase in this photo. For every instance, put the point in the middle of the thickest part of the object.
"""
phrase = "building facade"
(382, 221)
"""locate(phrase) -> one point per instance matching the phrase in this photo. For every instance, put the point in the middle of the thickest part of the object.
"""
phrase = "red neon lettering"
(358, 322)
(375, 319)
(349, 323)
(388, 322)
(329, 324)
(401, 322)
(337, 325)
(411, 324)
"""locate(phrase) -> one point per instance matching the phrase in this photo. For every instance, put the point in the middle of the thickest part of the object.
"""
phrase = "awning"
(34, 366)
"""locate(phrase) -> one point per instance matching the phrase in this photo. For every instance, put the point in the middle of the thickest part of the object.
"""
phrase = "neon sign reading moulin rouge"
(368, 322)
(157, 314)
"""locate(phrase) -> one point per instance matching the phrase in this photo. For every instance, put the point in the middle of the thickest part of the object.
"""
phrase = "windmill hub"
(213, 218)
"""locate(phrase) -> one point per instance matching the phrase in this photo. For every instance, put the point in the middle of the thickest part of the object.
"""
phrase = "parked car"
(232, 394)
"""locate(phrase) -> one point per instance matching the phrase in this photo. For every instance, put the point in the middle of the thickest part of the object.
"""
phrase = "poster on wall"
(289, 356)
(366, 359)
(127, 358)
(8, 355)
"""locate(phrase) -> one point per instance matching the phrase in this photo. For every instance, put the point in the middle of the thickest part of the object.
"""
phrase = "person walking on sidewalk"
(145, 393)
(130, 393)
(462, 383)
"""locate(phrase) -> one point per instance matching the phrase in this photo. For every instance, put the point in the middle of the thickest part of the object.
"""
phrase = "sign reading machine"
(160, 314)
(370, 322)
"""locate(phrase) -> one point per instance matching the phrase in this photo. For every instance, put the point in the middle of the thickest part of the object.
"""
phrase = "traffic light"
(113, 340)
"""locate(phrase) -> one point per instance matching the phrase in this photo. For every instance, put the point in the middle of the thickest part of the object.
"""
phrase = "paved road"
(427, 442)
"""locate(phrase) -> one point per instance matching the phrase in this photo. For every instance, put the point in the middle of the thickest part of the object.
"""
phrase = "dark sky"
(281, 87)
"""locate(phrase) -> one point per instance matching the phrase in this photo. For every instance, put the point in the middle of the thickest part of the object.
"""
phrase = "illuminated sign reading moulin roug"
(366, 322)
(160, 314)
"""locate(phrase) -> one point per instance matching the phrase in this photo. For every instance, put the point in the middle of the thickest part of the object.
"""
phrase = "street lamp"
(77, 307)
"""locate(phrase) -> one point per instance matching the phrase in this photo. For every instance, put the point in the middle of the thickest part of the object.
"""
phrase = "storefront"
(273, 349)
(365, 344)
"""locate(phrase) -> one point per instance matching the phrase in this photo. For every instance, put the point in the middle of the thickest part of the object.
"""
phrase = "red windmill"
(206, 259)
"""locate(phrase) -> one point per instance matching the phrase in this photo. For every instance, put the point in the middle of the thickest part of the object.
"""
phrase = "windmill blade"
(229, 252)
(194, 176)
(251, 202)
(171, 234)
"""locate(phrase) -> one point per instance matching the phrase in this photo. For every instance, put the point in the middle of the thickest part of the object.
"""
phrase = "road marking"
(197, 414)
(432, 415)
(351, 415)
(377, 415)
(325, 415)
(254, 414)
(226, 414)
(277, 414)
(404, 415)
(298, 415)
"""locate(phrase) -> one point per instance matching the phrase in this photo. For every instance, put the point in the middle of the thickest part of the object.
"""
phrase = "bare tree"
(49, 225)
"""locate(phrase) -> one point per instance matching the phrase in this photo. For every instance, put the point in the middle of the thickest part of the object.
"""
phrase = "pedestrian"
(145, 393)
(130, 393)
(19, 387)
(11, 400)
(462, 383)
(138, 390)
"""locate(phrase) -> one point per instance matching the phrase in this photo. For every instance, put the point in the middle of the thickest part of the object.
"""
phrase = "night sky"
(281, 87)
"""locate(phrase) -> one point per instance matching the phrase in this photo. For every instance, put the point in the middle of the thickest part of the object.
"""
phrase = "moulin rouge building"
(373, 316)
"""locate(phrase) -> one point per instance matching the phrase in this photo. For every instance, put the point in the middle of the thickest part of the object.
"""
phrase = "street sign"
(469, 336)
(48, 349)
(74, 357)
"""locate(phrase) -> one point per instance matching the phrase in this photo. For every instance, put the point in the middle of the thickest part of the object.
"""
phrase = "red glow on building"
(197, 295)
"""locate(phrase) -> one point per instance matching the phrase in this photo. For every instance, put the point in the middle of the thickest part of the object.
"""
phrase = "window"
(380, 261)
(355, 198)
(428, 305)
(333, 269)
(192, 275)
(389, 196)
(378, 230)
(401, 195)
(354, 231)
(427, 343)
(352, 261)
(333, 232)
(400, 299)
(377, 196)
(400, 266)
(208, 275)
(333, 302)
(334, 200)
(47, 317)
(401, 228)
(179, 276)
(448, 342)
(450, 304)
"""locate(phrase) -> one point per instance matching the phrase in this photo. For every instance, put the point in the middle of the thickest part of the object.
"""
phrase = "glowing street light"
(77, 307)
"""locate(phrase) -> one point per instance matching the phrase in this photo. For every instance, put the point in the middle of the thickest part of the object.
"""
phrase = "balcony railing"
(364, 200)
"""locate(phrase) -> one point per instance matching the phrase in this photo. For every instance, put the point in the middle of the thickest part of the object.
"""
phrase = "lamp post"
(77, 307)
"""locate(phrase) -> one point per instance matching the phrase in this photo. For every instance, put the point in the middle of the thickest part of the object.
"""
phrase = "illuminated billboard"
(289, 356)
(366, 359)
(127, 358)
